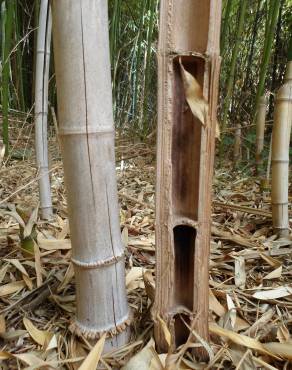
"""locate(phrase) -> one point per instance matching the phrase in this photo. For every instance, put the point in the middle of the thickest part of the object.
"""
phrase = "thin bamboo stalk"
(280, 157)
(136, 59)
(6, 71)
(19, 77)
(269, 161)
(260, 131)
(230, 79)
(225, 24)
(189, 42)
(148, 55)
(237, 144)
(86, 130)
(41, 108)
(269, 37)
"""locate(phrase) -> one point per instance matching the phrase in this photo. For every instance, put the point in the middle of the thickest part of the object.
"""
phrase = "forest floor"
(250, 271)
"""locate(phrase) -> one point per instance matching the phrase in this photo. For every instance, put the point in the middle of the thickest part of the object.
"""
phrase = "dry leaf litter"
(250, 271)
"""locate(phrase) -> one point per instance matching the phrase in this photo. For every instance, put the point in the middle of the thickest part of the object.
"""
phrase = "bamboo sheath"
(189, 35)
(81, 49)
(280, 155)
(260, 130)
(41, 107)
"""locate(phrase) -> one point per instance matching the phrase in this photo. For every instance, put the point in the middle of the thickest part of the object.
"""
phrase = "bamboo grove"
(153, 70)
(252, 64)
(133, 31)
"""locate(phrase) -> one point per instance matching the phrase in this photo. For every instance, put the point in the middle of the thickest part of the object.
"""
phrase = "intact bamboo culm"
(41, 107)
(5, 75)
(280, 156)
(237, 145)
(260, 130)
(86, 130)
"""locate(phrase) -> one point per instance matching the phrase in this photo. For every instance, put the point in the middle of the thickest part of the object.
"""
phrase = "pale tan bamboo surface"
(86, 131)
(280, 156)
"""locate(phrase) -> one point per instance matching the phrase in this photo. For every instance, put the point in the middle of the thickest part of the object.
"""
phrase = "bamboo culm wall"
(81, 49)
(188, 46)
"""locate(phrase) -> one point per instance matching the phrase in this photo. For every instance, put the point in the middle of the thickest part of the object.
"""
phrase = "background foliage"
(133, 32)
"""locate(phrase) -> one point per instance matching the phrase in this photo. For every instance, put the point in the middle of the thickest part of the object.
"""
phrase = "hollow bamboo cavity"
(41, 107)
(280, 156)
(81, 49)
(260, 130)
(188, 48)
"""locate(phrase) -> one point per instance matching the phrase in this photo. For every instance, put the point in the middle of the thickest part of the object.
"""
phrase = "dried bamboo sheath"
(87, 137)
(41, 107)
(280, 155)
(189, 32)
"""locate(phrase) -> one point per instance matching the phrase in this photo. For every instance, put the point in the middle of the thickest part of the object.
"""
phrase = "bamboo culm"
(280, 155)
(260, 131)
(230, 80)
(225, 25)
(86, 131)
(41, 107)
(6, 70)
(237, 153)
(188, 48)
(270, 31)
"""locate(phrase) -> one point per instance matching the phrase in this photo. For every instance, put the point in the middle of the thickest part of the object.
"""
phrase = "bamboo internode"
(81, 49)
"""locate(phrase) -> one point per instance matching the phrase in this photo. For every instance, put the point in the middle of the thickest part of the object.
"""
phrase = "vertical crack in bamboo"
(86, 132)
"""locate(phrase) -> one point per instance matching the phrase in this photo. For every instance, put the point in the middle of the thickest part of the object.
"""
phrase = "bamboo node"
(80, 330)
(280, 161)
(100, 263)
(77, 130)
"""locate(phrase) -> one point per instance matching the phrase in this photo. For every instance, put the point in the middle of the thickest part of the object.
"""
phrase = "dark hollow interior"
(186, 143)
(184, 248)
(181, 331)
